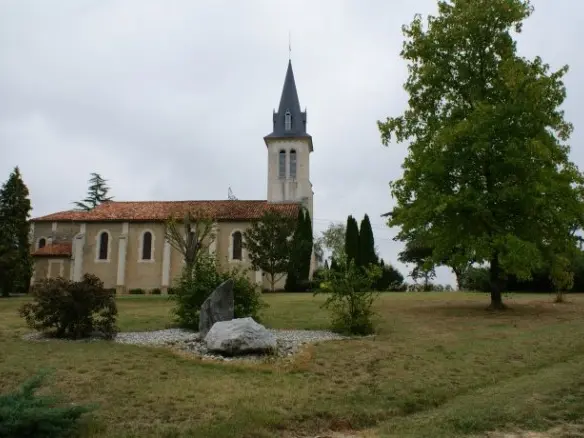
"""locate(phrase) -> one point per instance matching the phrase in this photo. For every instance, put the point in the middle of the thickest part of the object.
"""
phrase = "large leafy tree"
(96, 193)
(333, 240)
(15, 258)
(269, 244)
(488, 170)
(367, 254)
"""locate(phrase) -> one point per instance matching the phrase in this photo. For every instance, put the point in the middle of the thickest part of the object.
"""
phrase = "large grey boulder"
(240, 336)
(217, 307)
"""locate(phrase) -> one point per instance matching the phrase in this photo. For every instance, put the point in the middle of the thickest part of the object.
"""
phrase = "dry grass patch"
(440, 365)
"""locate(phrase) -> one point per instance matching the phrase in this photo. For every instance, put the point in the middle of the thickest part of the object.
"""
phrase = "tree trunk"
(495, 280)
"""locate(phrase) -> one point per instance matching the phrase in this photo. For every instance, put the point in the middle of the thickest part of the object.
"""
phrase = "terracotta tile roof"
(55, 249)
(232, 210)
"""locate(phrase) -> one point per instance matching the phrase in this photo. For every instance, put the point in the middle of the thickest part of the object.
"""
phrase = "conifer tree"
(96, 194)
(352, 241)
(15, 257)
(299, 267)
(366, 243)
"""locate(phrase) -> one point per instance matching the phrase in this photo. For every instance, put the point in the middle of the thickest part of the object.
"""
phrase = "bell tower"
(289, 147)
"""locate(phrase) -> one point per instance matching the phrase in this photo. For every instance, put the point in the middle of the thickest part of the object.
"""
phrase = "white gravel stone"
(288, 341)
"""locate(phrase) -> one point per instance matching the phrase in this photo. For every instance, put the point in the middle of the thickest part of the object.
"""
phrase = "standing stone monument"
(219, 306)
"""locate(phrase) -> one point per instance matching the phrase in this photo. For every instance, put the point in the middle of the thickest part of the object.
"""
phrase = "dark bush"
(25, 414)
(171, 291)
(111, 290)
(67, 309)
(156, 291)
(136, 291)
(191, 293)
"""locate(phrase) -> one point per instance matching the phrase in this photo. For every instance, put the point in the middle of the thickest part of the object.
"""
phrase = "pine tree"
(96, 194)
(366, 243)
(352, 241)
(15, 258)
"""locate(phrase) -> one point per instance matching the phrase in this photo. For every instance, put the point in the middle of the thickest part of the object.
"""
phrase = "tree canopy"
(15, 258)
(488, 169)
(96, 193)
(269, 244)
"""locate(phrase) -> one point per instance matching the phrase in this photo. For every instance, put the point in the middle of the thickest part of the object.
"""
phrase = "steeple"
(290, 120)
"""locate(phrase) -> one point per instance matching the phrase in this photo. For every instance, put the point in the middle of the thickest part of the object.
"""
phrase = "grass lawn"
(440, 366)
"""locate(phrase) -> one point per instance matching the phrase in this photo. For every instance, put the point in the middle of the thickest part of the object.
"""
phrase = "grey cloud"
(189, 89)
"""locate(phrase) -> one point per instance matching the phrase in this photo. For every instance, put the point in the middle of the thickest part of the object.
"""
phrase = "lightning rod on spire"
(289, 46)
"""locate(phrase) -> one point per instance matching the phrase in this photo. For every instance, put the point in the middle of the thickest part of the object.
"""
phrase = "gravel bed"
(288, 341)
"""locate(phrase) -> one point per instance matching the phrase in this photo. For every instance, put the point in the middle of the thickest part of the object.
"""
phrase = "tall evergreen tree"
(488, 171)
(367, 253)
(96, 194)
(352, 240)
(15, 258)
(302, 242)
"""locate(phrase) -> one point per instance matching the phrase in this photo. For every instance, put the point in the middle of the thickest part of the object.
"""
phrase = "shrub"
(67, 309)
(24, 413)
(351, 298)
(193, 290)
(111, 290)
(136, 291)
(156, 291)
(246, 294)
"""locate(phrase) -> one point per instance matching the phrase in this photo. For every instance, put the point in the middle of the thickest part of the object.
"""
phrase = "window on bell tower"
(288, 121)
(293, 164)
(282, 164)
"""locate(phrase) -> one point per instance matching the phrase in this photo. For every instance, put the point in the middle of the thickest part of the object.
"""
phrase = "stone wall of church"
(121, 264)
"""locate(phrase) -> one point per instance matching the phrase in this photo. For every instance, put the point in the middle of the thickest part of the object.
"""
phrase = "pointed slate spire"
(290, 120)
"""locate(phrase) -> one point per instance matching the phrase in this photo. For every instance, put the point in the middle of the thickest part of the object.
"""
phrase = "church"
(123, 243)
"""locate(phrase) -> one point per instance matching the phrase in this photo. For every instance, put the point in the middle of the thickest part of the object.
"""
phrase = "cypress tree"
(15, 258)
(352, 241)
(299, 267)
(366, 243)
(306, 248)
(293, 275)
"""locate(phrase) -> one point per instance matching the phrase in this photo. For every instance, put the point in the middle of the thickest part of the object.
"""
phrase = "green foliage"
(269, 244)
(96, 194)
(191, 291)
(390, 279)
(136, 291)
(476, 279)
(351, 298)
(367, 254)
(487, 177)
(73, 310)
(352, 241)
(301, 253)
(26, 414)
(156, 291)
(15, 258)
(333, 239)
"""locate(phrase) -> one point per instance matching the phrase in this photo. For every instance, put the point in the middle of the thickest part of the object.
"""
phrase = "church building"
(124, 244)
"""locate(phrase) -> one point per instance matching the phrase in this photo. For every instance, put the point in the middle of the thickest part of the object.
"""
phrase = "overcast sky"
(170, 99)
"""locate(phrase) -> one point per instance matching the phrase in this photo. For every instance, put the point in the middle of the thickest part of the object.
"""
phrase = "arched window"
(42, 243)
(147, 245)
(292, 163)
(237, 245)
(282, 164)
(287, 121)
(103, 246)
